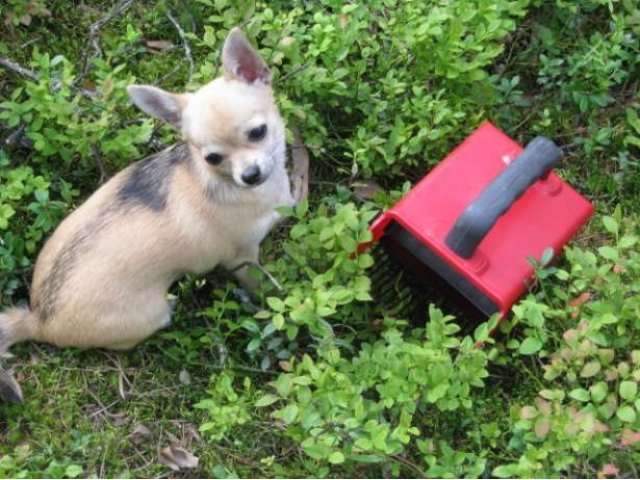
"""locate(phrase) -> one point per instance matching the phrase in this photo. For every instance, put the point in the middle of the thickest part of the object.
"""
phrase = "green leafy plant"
(589, 399)
(16, 465)
(312, 377)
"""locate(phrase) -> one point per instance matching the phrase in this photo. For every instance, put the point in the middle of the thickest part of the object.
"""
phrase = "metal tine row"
(391, 286)
(401, 295)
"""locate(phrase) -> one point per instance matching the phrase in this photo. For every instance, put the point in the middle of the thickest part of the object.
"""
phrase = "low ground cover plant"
(316, 378)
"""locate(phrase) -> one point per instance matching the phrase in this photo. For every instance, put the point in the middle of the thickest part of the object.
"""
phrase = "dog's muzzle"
(252, 176)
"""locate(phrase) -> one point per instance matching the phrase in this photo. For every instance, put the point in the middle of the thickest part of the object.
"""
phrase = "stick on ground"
(94, 35)
(300, 172)
(185, 43)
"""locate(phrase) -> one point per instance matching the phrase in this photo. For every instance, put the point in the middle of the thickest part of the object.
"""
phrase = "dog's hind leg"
(143, 331)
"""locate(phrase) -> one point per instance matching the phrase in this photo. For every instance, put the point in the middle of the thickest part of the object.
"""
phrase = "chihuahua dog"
(102, 278)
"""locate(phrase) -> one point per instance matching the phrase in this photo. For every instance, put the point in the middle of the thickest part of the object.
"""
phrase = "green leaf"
(547, 256)
(289, 413)
(326, 234)
(366, 458)
(336, 458)
(598, 391)
(530, 346)
(628, 241)
(503, 471)
(626, 413)
(628, 389)
(315, 450)
(590, 369)
(348, 243)
(548, 394)
(73, 471)
(365, 260)
(610, 224)
(309, 418)
(266, 400)
(325, 311)
(284, 383)
(608, 252)
(276, 304)
(580, 394)
(254, 345)
(278, 321)
(437, 392)
(302, 208)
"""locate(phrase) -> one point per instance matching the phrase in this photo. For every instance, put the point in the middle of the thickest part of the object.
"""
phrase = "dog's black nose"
(251, 175)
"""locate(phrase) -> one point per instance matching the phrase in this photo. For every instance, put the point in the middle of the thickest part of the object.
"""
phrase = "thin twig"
(264, 271)
(94, 34)
(293, 72)
(17, 138)
(104, 461)
(408, 463)
(170, 74)
(300, 173)
(19, 69)
(30, 74)
(100, 163)
(223, 353)
(185, 43)
(103, 408)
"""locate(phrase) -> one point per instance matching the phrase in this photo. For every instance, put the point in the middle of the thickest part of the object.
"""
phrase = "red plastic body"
(547, 215)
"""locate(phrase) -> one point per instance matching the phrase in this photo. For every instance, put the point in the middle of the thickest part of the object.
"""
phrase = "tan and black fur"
(101, 280)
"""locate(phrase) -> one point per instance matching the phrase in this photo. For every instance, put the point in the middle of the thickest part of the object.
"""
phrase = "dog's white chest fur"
(227, 227)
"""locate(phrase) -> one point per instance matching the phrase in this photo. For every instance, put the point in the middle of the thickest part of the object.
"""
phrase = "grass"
(105, 414)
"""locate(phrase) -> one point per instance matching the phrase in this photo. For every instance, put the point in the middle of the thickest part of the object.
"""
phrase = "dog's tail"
(9, 388)
(16, 325)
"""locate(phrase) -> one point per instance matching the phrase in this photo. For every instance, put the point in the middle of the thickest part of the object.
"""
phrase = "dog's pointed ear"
(159, 103)
(241, 62)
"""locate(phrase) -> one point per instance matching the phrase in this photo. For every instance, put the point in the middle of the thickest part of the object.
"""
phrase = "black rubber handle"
(535, 161)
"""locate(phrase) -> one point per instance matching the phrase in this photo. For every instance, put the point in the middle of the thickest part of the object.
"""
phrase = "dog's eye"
(258, 133)
(214, 158)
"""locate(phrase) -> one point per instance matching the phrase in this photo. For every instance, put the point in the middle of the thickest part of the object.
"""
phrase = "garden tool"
(464, 237)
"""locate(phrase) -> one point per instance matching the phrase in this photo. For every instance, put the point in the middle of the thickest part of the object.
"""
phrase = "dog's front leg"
(241, 266)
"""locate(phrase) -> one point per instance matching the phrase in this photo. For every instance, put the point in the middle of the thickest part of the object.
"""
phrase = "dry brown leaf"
(157, 46)
(570, 335)
(629, 437)
(366, 189)
(184, 377)
(528, 412)
(580, 299)
(609, 470)
(285, 365)
(286, 41)
(139, 435)
(121, 391)
(190, 433)
(119, 418)
(541, 428)
(178, 459)
(173, 438)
